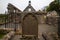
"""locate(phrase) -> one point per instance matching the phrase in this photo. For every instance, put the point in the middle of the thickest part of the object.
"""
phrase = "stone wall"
(41, 19)
(52, 18)
(8, 36)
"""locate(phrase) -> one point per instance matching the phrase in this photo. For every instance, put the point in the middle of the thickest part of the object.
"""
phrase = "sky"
(22, 4)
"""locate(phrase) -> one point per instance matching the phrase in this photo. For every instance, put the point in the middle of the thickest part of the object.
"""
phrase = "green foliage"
(48, 8)
(53, 6)
(3, 17)
(2, 33)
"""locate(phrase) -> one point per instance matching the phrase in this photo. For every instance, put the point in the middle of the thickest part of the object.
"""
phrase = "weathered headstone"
(30, 25)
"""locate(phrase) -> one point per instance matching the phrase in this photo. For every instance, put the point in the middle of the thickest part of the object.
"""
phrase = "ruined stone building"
(28, 19)
(52, 18)
(14, 11)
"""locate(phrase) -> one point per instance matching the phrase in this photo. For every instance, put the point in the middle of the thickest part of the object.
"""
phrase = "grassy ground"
(1, 35)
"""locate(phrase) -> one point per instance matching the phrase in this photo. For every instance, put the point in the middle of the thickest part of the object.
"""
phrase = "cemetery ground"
(42, 28)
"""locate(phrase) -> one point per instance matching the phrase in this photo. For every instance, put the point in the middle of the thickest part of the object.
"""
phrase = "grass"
(1, 35)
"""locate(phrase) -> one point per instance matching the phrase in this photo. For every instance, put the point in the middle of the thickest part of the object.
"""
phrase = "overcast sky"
(21, 4)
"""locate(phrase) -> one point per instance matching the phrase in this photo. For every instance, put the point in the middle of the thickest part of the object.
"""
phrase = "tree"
(53, 6)
(48, 8)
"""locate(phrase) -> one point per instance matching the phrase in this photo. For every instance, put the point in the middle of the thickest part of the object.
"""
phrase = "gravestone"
(30, 25)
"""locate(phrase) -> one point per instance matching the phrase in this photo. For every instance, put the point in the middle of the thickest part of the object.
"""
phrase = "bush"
(3, 32)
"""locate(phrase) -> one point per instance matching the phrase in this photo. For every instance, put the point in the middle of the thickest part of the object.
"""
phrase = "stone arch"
(30, 25)
(29, 14)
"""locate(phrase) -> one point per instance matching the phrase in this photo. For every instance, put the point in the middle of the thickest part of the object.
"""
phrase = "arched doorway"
(30, 25)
